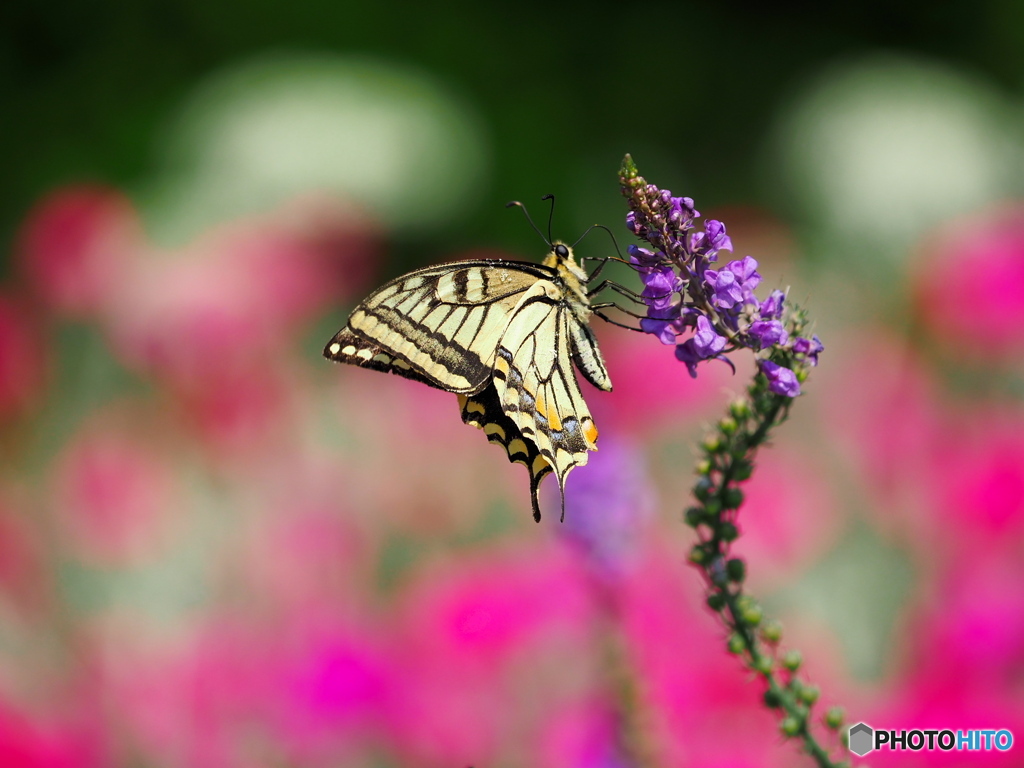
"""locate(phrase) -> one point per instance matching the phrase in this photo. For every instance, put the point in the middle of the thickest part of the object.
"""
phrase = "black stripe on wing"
(348, 347)
(483, 411)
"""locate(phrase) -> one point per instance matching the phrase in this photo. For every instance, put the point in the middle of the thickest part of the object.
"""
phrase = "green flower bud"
(728, 426)
(790, 727)
(728, 531)
(736, 570)
(694, 516)
(712, 444)
(764, 665)
(733, 498)
(810, 694)
(772, 699)
(713, 506)
(736, 644)
(703, 488)
(704, 467)
(771, 631)
(716, 601)
(834, 718)
(742, 470)
(792, 660)
(740, 409)
(698, 555)
(752, 615)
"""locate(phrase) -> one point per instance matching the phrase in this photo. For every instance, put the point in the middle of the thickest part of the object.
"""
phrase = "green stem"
(729, 456)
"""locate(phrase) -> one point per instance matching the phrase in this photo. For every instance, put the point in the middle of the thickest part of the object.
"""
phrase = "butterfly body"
(503, 336)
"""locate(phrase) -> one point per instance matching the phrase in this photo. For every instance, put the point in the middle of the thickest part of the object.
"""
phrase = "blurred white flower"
(390, 139)
(878, 150)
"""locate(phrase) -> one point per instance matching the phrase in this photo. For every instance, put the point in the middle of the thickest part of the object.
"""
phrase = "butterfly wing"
(483, 411)
(537, 389)
(439, 325)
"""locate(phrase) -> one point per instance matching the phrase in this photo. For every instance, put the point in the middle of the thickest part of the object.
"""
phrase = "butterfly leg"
(607, 319)
(613, 305)
(618, 288)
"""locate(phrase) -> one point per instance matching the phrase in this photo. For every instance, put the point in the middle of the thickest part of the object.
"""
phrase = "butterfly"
(502, 335)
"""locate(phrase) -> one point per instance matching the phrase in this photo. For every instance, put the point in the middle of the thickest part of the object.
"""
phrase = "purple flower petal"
(810, 347)
(781, 381)
(771, 308)
(768, 333)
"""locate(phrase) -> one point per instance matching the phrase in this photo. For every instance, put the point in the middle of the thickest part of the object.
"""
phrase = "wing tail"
(483, 411)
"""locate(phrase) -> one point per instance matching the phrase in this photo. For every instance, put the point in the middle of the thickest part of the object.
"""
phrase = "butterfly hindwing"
(483, 411)
(535, 384)
(443, 322)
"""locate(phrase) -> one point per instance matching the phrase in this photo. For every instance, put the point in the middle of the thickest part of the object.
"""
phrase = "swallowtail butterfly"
(503, 336)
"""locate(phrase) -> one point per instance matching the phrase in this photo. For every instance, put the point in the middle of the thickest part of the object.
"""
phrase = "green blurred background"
(560, 91)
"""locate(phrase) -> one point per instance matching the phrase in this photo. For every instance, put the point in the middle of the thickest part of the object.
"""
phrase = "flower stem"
(728, 460)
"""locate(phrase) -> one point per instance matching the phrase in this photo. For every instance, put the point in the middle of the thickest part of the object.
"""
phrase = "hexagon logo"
(861, 738)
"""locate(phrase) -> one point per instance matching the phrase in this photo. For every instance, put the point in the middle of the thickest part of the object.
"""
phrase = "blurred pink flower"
(238, 295)
(652, 389)
(240, 412)
(23, 575)
(788, 519)
(970, 283)
(977, 488)
(306, 554)
(485, 608)
(335, 692)
(474, 637)
(586, 735)
(695, 697)
(26, 742)
(22, 358)
(396, 428)
(881, 411)
(76, 246)
(974, 625)
(923, 703)
(112, 494)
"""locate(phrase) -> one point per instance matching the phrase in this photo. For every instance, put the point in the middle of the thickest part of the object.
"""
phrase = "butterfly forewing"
(442, 322)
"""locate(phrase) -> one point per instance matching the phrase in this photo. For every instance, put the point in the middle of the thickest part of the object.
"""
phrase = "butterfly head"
(561, 258)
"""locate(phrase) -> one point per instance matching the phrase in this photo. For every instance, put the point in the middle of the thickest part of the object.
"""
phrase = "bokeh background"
(217, 550)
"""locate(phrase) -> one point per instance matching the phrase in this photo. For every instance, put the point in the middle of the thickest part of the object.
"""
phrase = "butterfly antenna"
(551, 214)
(610, 234)
(527, 213)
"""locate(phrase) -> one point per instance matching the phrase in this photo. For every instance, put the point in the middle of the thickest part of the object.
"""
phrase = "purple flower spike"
(716, 309)
(811, 348)
(781, 381)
